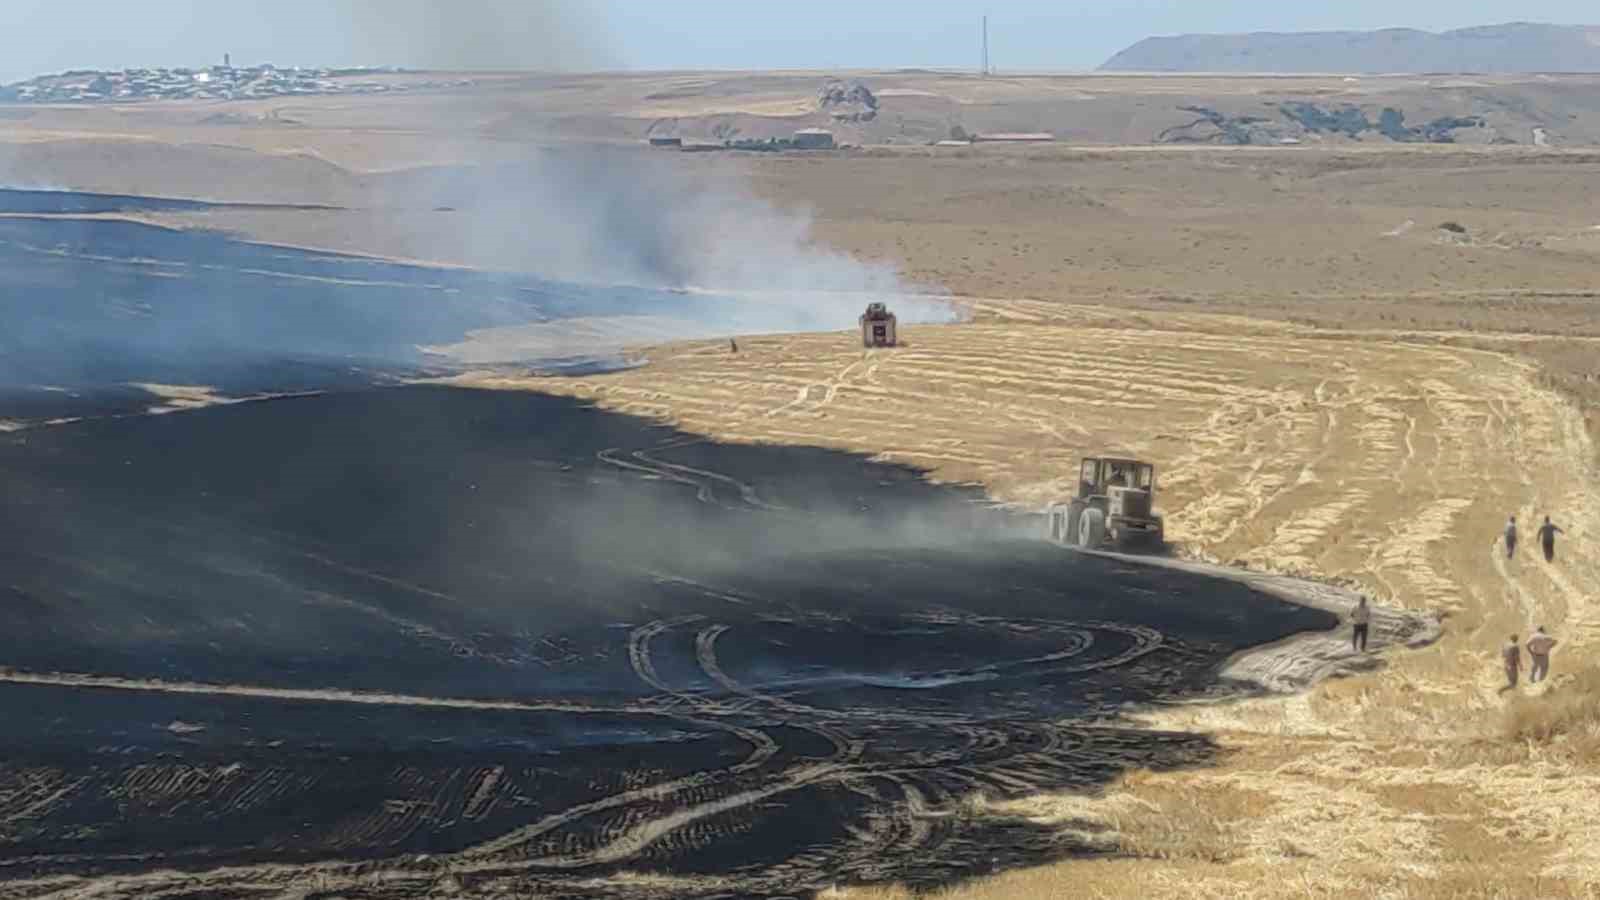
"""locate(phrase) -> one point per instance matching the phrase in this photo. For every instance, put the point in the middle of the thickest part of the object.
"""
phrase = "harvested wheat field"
(1389, 462)
(1350, 360)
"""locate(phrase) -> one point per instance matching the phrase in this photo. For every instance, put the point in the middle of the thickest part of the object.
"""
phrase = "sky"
(53, 35)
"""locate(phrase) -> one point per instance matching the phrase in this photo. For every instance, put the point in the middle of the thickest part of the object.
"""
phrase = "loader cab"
(1098, 476)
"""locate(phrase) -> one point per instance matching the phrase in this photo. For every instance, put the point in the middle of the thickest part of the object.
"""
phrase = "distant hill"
(1517, 47)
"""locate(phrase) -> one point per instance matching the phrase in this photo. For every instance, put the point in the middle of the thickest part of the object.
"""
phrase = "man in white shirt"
(1360, 618)
(1539, 647)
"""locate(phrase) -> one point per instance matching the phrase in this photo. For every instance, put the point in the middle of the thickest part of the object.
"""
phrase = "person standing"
(1539, 647)
(1360, 620)
(1547, 539)
(1511, 654)
(1511, 537)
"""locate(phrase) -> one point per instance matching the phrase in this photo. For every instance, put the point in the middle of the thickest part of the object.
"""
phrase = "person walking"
(1511, 537)
(1539, 647)
(1360, 620)
(1511, 654)
(1547, 539)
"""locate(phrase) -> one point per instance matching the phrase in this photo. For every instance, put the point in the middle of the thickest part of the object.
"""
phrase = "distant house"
(813, 139)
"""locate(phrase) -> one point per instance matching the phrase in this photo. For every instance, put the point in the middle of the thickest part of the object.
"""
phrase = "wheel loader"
(1114, 508)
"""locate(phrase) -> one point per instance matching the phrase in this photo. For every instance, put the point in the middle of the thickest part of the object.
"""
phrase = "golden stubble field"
(1331, 382)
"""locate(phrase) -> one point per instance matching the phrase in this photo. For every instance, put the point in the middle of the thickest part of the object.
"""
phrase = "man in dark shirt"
(1511, 654)
(1547, 539)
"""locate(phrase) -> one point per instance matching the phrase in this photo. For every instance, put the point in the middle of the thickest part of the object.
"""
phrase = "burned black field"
(382, 643)
(91, 302)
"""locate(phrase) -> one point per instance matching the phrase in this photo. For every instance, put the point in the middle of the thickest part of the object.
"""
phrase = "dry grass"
(1180, 838)
(1422, 818)
(1566, 718)
(1172, 823)
(1215, 863)
(1570, 367)
(1120, 879)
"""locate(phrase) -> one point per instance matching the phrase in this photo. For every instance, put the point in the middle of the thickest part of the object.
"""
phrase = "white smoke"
(590, 215)
(610, 215)
(600, 215)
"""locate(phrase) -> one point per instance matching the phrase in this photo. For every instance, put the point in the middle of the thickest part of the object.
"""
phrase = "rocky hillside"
(1518, 47)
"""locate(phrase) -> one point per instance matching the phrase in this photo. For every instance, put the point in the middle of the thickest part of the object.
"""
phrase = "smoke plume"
(607, 214)
(588, 217)
(600, 215)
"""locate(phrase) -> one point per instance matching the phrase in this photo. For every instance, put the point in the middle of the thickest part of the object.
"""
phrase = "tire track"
(609, 457)
(747, 492)
(844, 748)
(699, 479)
(982, 755)
(636, 837)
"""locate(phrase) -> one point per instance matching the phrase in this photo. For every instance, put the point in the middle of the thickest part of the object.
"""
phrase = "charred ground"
(547, 645)
(103, 301)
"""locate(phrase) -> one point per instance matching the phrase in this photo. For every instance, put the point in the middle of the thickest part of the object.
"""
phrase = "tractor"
(1113, 508)
(877, 326)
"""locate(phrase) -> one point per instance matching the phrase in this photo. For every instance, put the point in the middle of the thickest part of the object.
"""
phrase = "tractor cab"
(1114, 505)
(878, 326)
(1108, 473)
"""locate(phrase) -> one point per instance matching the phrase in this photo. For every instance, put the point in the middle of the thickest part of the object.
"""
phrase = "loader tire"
(1091, 529)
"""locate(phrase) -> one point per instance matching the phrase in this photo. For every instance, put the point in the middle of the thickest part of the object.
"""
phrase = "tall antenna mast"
(984, 71)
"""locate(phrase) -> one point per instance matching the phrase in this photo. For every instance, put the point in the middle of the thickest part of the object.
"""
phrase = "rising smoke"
(620, 216)
(372, 486)
(586, 215)
(614, 215)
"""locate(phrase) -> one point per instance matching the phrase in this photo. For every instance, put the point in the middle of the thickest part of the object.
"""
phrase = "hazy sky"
(51, 35)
